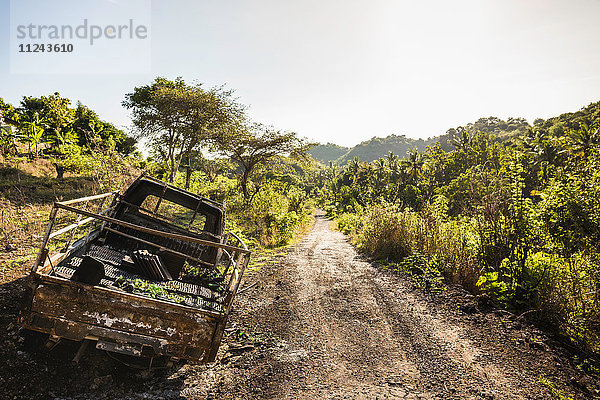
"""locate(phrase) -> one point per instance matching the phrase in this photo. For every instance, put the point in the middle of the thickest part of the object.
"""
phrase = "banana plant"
(8, 138)
(33, 131)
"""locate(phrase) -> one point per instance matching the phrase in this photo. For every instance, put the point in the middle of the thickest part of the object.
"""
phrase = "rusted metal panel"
(122, 348)
(216, 340)
(79, 331)
(136, 315)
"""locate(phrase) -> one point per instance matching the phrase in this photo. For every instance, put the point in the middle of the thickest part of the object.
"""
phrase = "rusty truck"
(148, 274)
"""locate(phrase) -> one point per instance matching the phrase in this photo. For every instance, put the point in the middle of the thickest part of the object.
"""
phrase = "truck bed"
(116, 266)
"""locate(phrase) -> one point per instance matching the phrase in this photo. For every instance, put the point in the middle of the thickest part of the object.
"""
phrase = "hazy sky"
(345, 71)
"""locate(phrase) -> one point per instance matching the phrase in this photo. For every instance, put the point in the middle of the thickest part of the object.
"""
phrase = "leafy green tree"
(8, 138)
(54, 110)
(8, 114)
(8, 135)
(251, 146)
(177, 118)
(92, 132)
(159, 116)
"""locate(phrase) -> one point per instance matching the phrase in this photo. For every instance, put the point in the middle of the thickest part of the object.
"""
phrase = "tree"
(158, 115)
(92, 132)
(56, 113)
(33, 129)
(8, 118)
(252, 145)
(178, 118)
(414, 164)
(353, 168)
(461, 138)
(8, 143)
(8, 114)
(211, 112)
(585, 138)
(540, 145)
(212, 168)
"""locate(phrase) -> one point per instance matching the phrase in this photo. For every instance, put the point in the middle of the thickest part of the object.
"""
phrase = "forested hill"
(368, 150)
(328, 152)
(376, 147)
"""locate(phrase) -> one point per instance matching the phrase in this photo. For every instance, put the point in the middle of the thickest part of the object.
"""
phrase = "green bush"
(349, 223)
(425, 272)
(271, 218)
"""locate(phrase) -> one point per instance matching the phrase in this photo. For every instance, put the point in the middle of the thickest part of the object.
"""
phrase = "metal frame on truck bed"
(151, 275)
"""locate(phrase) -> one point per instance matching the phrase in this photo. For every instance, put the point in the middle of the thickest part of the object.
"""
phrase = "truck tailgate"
(76, 311)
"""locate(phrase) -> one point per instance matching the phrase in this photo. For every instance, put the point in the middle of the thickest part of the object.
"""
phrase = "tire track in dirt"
(349, 330)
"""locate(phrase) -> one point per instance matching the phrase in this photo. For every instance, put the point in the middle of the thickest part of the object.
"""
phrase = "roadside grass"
(424, 272)
(557, 393)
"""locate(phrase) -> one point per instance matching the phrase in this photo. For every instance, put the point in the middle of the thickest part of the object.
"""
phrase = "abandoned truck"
(151, 276)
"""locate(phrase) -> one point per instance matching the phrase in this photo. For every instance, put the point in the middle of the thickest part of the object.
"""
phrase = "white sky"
(345, 71)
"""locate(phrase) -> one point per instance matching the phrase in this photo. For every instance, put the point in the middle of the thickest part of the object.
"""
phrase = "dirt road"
(350, 331)
(324, 323)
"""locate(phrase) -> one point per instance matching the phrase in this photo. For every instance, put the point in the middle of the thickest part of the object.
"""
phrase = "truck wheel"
(33, 341)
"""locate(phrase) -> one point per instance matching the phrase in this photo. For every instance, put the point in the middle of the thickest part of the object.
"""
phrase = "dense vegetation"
(50, 128)
(515, 217)
(50, 150)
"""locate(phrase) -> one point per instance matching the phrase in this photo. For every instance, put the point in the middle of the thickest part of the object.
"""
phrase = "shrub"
(349, 223)
(385, 233)
(271, 218)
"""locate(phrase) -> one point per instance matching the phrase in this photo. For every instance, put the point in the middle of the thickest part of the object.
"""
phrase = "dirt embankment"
(324, 323)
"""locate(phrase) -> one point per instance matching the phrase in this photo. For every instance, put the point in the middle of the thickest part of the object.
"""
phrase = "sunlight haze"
(345, 71)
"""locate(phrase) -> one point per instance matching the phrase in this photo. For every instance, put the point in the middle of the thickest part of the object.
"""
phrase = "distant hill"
(368, 150)
(567, 121)
(376, 147)
(495, 126)
(327, 152)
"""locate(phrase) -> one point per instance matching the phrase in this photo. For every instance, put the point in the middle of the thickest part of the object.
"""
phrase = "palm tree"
(414, 164)
(462, 140)
(380, 167)
(536, 143)
(545, 154)
(585, 138)
(353, 168)
(391, 159)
